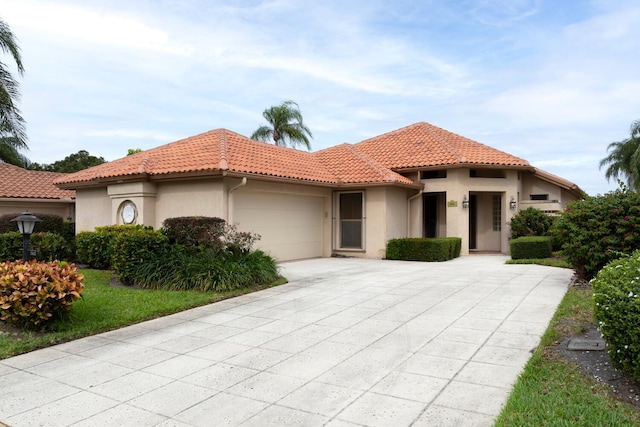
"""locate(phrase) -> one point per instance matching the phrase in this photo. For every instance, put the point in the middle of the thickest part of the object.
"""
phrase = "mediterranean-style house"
(24, 190)
(350, 199)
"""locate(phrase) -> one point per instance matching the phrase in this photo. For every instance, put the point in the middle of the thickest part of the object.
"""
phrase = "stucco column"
(142, 194)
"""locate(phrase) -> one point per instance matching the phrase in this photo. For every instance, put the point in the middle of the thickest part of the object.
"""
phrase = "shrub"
(240, 242)
(96, 248)
(34, 294)
(206, 270)
(133, 248)
(69, 234)
(423, 249)
(531, 247)
(456, 246)
(50, 246)
(617, 311)
(48, 223)
(10, 246)
(92, 248)
(530, 222)
(599, 229)
(195, 231)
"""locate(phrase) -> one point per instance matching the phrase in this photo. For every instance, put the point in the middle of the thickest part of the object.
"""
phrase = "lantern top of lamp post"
(26, 221)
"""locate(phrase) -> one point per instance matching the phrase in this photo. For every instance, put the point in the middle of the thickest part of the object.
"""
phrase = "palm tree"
(624, 158)
(13, 137)
(286, 125)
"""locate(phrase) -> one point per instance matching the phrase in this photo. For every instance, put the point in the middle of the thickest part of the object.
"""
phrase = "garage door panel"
(290, 226)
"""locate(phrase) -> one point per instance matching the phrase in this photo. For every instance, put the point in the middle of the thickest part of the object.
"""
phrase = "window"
(487, 173)
(497, 212)
(351, 210)
(433, 174)
(539, 197)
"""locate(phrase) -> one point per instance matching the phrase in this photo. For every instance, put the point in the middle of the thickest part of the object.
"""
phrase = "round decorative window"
(128, 212)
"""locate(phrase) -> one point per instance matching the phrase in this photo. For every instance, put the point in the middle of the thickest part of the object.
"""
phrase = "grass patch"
(554, 392)
(104, 307)
(550, 262)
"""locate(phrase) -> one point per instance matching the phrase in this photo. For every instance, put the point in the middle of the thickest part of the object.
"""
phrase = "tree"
(624, 158)
(72, 163)
(132, 151)
(286, 126)
(13, 137)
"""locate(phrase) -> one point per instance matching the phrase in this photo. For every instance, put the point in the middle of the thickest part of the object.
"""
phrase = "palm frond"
(286, 126)
(623, 159)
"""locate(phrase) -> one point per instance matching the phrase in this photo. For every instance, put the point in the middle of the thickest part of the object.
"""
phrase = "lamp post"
(26, 222)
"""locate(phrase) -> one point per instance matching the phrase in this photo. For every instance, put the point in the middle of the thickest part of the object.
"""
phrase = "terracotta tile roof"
(213, 152)
(373, 161)
(351, 166)
(19, 183)
(424, 145)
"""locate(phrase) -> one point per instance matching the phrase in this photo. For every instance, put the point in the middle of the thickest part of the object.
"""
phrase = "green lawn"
(551, 262)
(104, 307)
(553, 392)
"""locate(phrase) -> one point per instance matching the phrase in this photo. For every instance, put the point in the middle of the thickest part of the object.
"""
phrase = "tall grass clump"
(180, 270)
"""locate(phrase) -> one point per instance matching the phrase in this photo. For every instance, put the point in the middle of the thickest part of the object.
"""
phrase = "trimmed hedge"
(48, 246)
(48, 223)
(133, 248)
(531, 247)
(424, 249)
(616, 290)
(96, 248)
(10, 246)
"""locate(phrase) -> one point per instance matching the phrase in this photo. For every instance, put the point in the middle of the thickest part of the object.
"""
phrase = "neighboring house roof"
(19, 183)
(423, 145)
(375, 161)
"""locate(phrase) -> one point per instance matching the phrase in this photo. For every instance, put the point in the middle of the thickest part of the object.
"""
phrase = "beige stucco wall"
(64, 209)
(385, 218)
(205, 197)
(558, 196)
(93, 208)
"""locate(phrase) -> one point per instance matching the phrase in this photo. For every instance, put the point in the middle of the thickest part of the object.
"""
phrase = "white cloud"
(82, 26)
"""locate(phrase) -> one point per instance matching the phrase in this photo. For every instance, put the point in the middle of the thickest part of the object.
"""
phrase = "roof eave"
(461, 166)
(38, 199)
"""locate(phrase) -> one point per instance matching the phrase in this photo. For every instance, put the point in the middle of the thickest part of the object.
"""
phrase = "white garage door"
(290, 225)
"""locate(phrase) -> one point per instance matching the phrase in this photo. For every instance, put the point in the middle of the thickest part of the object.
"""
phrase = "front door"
(430, 215)
(485, 221)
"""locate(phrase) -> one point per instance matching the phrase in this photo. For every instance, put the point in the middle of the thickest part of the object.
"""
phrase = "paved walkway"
(348, 342)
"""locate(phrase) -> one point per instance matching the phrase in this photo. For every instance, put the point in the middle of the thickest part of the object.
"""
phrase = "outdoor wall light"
(465, 202)
(512, 204)
(26, 222)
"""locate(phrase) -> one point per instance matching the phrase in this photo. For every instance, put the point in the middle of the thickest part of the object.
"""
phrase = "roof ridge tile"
(223, 162)
(385, 173)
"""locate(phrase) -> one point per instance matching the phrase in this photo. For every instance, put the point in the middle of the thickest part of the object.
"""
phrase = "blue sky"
(551, 81)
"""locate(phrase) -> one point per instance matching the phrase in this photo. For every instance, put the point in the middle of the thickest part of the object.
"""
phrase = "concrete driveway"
(348, 342)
